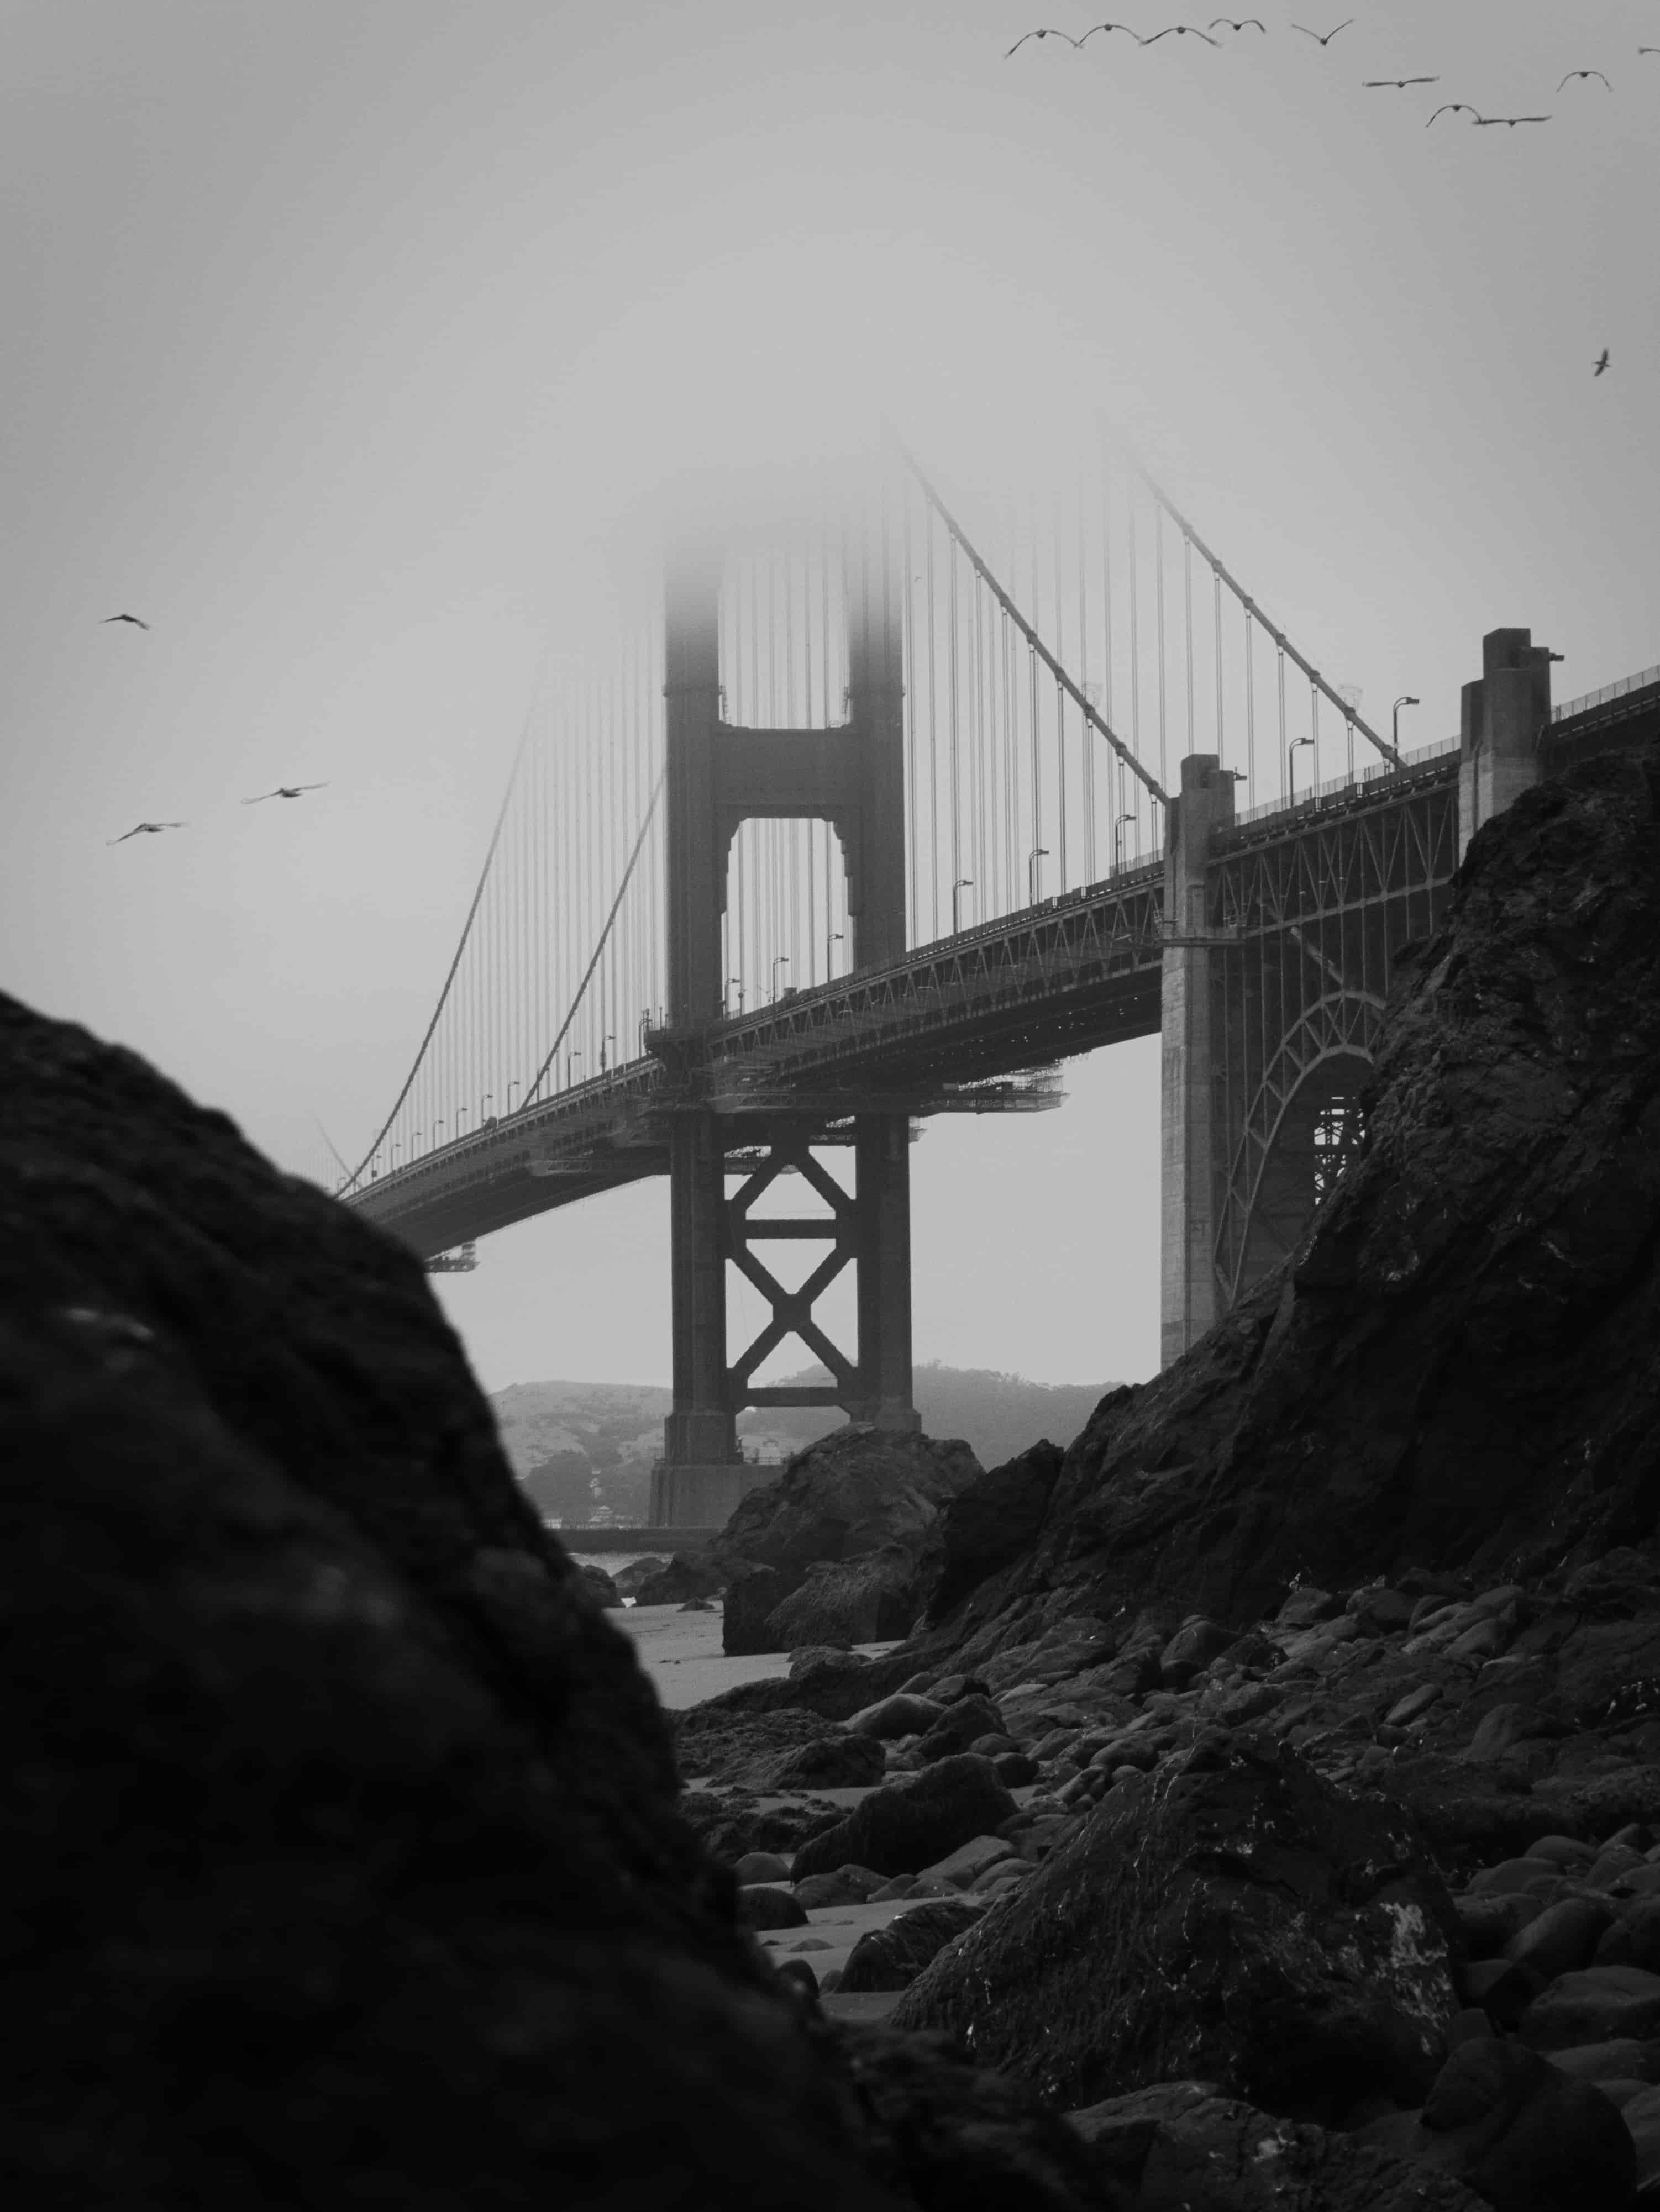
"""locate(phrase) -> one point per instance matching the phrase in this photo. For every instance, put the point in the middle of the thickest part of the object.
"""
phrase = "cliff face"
(1461, 1367)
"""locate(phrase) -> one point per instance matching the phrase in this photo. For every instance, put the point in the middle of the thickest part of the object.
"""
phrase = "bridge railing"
(1364, 780)
(1646, 679)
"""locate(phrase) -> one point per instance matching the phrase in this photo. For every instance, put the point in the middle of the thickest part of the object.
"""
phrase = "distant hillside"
(998, 1415)
(583, 1450)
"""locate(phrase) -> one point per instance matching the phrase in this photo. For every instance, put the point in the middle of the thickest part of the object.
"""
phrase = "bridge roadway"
(968, 1023)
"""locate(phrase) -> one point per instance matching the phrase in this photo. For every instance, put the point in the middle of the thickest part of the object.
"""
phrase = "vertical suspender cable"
(1083, 684)
(1216, 594)
(956, 734)
(934, 743)
(906, 496)
(1060, 696)
(1285, 768)
(1136, 646)
(1187, 589)
(1158, 574)
(1250, 715)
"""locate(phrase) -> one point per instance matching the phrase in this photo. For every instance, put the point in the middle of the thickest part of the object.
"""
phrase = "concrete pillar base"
(703, 1497)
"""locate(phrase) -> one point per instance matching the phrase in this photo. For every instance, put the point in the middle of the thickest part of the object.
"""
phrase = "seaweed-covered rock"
(856, 1495)
(1239, 1920)
(873, 1598)
(911, 1823)
(830, 1762)
(891, 1958)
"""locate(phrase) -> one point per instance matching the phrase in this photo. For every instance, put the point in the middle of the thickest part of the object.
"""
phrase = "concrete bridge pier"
(1190, 1179)
(1502, 716)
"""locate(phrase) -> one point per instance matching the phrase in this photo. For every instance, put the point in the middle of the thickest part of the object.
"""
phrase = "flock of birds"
(1322, 39)
(155, 828)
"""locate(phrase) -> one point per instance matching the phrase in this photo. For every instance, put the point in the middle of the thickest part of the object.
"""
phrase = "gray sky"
(340, 340)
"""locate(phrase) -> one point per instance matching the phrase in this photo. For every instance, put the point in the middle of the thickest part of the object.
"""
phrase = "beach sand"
(681, 1653)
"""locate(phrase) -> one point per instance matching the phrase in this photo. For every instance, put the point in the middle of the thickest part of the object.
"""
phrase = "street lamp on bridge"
(1118, 838)
(835, 937)
(569, 1057)
(963, 884)
(460, 1116)
(1405, 700)
(1037, 853)
(1291, 766)
(488, 1099)
(610, 1038)
(783, 960)
(514, 1085)
(732, 982)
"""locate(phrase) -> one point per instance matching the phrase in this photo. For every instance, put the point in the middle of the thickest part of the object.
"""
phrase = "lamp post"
(1037, 853)
(835, 937)
(963, 884)
(514, 1085)
(610, 1038)
(732, 982)
(569, 1057)
(396, 1146)
(460, 1116)
(1405, 700)
(1291, 765)
(1118, 838)
(488, 1099)
(436, 1127)
(781, 960)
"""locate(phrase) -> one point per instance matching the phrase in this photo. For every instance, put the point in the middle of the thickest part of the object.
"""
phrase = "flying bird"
(1020, 42)
(1457, 108)
(1571, 73)
(1647, 50)
(1326, 40)
(1486, 122)
(139, 830)
(1240, 26)
(1125, 27)
(285, 791)
(1601, 362)
(133, 619)
(1394, 83)
(1181, 31)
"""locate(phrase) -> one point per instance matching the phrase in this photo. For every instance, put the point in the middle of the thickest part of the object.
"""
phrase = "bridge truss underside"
(1309, 927)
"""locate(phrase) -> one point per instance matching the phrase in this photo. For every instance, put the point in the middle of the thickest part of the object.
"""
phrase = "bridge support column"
(1190, 1121)
(1501, 718)
(882, 1145)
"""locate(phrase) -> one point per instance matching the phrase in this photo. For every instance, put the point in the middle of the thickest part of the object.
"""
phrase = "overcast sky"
(341, 337)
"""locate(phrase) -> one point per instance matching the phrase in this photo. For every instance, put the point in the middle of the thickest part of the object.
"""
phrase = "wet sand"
(681, 1653)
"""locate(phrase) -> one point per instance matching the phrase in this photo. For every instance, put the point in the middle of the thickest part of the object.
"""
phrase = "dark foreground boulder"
(1525, 2138)
(910, 1824)
(342, 1857)
(1241, 1921)
(830, 1762)
(1179, 2148)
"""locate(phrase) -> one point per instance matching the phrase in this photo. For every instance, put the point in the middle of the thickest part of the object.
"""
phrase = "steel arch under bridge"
(1308, 928)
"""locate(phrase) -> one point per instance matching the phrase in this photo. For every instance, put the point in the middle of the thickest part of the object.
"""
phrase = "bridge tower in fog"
(851, 776)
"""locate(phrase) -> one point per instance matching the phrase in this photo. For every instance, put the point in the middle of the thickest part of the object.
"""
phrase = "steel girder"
(1298, 1004)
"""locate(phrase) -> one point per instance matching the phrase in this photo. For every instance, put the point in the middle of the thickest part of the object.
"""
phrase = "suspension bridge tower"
(717, 777)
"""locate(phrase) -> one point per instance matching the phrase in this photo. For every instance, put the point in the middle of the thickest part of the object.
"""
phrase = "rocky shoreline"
(1260, 1810)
